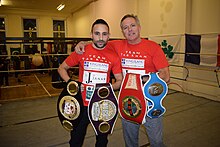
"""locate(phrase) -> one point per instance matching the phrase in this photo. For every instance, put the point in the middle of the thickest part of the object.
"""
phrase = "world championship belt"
(132, 104)
(70, 105)
(103, 109)
(155, 89)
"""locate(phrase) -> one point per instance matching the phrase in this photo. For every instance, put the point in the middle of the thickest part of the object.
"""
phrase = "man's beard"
(98, 45)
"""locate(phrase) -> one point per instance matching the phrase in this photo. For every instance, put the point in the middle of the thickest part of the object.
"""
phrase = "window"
(30, 28)
(30, 32)
(58, 29)
(2, 36)
(2, 27)
(59, 36)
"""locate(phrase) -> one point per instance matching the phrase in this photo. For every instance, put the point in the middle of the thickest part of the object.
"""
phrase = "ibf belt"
(132, 104)
(70, 105)
(103, 109)
(155, 89)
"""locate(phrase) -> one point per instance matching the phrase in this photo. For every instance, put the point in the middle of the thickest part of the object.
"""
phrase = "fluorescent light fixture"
(60, 7)
(0, 3)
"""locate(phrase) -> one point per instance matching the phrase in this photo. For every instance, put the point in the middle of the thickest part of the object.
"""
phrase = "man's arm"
(62, 70)
(80, 47)
(164, 74)
(118, 81)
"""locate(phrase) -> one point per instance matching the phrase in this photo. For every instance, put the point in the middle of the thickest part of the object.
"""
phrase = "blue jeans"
(153, 128)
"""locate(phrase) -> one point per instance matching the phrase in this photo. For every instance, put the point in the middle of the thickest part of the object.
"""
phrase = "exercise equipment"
(37, 60)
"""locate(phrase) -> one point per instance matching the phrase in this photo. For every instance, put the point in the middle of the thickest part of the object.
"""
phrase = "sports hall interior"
(40, 37)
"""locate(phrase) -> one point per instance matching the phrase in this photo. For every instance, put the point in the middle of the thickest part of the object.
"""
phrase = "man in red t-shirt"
(95, 66)
(141, 56)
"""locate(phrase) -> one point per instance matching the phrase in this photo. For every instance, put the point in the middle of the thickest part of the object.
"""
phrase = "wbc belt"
(155, 89)
(70, 105)
(103, 109)
(132, 104)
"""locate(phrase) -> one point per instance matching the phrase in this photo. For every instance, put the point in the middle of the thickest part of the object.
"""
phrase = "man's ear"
(109, 35)
(91, 35)
(139, 28)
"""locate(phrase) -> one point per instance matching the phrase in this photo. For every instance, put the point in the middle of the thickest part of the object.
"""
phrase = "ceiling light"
(60, 7)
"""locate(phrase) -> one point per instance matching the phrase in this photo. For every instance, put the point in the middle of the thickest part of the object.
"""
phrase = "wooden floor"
(32, 85)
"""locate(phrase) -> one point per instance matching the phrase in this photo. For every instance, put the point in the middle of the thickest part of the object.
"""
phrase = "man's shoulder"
(146, 40)
(110, 49)
(89, 46)
(117, 41)
(150, 43)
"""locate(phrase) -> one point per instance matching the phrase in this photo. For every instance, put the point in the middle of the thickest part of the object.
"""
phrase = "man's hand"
(80, 47)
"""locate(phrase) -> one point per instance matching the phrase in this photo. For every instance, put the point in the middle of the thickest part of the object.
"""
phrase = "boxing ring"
(30, 67)
(29, 103)
(37, 75)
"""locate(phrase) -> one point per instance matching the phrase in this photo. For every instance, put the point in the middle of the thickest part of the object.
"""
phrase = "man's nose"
(100, 37)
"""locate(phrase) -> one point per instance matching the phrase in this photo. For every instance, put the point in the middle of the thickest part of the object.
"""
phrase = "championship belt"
(155, 89)
(103, 109)
(132, 104)
(70, 105)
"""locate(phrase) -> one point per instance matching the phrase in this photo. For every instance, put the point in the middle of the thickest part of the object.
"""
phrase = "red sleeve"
(72, 59)
(159, 58)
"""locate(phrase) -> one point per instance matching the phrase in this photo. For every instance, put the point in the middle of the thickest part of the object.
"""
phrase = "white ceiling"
(45, 5)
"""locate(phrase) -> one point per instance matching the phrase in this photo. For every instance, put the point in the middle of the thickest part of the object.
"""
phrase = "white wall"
(143, 7)
(81, 22)
(110, 10)
(166, 17)
(205, 16)
(43, 26)
(14, 24)
(157, 17)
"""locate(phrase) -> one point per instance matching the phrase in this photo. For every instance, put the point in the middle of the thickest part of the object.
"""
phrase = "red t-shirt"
(95, 65)
(142, 58)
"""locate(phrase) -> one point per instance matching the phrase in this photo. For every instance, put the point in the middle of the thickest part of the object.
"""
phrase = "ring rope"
(24, 85)
(42, 69)
(174, 83)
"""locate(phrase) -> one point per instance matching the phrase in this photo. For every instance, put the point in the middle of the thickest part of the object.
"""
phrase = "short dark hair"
(99, 21)
(130, 16)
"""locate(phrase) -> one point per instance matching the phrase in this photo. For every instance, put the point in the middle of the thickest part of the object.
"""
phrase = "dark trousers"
(78, 134)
